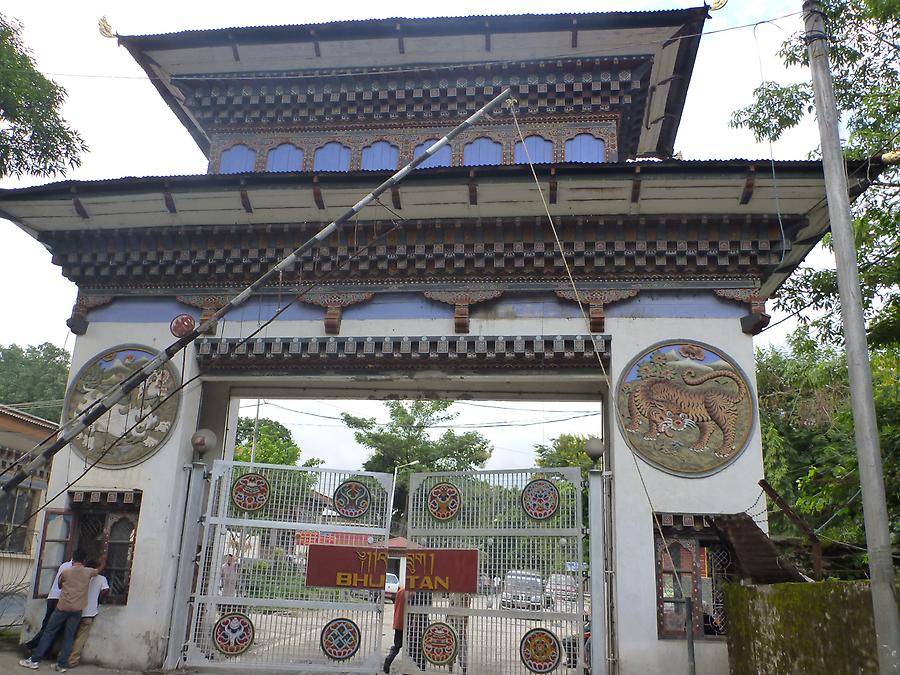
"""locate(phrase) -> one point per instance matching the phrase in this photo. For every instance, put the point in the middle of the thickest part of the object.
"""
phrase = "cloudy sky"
(131, 132)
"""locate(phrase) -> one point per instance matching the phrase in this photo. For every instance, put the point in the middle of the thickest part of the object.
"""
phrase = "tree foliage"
(565, 450)
(864, 42)
(34, 138)
(807, 432)
(34, 373)
(274, 443)
(408, 436)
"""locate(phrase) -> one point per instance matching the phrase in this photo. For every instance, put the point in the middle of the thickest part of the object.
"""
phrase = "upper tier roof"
(666, 40)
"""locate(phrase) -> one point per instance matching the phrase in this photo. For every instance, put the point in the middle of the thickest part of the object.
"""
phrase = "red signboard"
(447, 570)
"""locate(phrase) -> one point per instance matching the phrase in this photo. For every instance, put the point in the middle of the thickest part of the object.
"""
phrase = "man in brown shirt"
(74, 584)
(399, 605)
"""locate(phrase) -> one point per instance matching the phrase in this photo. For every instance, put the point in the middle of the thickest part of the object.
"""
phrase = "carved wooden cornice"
(208, 305)
(461, 300)
(334, 304)
(757, 319)
(597, 299)
(84, 303)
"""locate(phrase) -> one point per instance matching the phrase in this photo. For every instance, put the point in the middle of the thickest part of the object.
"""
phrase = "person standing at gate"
(97, 590)
(399, 605)
(52, 599)
(460, 625)
(74, 584)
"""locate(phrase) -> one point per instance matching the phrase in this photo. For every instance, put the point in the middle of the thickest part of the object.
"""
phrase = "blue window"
(332, 157)
(441, 158)
(482, 152)
(237, 159)
(380, 155)
(585, 148)
(539, 149)
(285, 157)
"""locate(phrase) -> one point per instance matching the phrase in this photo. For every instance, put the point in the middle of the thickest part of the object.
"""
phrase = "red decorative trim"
(757, 319)
(334, 304)
(597, 300)
(84, 303)
(461, 300)
(208, 304)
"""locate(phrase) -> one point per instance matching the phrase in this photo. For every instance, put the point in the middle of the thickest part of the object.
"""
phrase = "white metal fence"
(254, 610)
(528, 613)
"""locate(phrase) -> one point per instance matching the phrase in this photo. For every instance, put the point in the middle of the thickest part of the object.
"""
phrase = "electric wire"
(613, 402)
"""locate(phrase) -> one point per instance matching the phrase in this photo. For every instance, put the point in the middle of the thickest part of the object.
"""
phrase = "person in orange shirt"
(399, 604)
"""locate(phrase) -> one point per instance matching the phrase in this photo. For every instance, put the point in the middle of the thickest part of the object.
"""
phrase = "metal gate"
(254, 610)
(528, 613)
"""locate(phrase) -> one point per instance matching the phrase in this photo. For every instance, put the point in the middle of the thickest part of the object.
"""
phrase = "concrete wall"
(731, 490)
(133, 635)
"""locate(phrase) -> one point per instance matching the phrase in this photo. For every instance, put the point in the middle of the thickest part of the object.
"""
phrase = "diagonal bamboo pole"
(43, 452)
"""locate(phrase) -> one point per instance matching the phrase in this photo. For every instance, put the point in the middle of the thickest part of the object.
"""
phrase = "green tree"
(274, 443)
(864, 41)
(565, 450)
(34, 138)
(807, 433)
(34, 373)
(408, 436)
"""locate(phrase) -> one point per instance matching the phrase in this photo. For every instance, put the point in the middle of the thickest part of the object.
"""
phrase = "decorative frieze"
(85, 302)
(390, 352)
(757, 319)
(461, 300)
(596, 300)
(334, 304)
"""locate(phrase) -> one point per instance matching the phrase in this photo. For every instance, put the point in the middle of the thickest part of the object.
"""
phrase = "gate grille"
(529, 570)
(268, 589)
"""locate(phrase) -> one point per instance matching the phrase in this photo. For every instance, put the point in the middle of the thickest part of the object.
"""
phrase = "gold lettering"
(442, 582)
(412, 581)
(344, 579)
(427, 584)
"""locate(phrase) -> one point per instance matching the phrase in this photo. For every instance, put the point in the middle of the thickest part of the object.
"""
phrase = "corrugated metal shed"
(757, 558)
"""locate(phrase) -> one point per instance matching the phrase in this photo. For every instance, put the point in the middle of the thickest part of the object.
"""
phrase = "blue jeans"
(67, 622)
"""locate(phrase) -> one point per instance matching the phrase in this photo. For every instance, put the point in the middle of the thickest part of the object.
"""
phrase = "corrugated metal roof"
(28, 417)
(756, 555)
(651, 17)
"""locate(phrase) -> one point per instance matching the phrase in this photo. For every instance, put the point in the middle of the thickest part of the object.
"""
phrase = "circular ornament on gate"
(439, 644)
(340, 639)
(685, 407)
(142, 438)
(540, 651)
(251, 492)
(540, 499)
(233, 634)
(352, 499)
(444, 501)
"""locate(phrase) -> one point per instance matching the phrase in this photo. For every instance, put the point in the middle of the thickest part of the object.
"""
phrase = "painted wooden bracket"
(169, 201)
(317, 194)
(334, 304)
(757, 319)
(461, 300)
(208, 305)
(245, 200)
(84, 303)
(749, 183)
(597, 301)
(79, 207)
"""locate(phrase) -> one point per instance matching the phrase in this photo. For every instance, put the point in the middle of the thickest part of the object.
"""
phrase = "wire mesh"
(530, 570)
(252, 571)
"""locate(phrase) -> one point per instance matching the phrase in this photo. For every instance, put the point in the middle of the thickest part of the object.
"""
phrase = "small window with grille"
(15, 532)
(691, 562)
(103, 524)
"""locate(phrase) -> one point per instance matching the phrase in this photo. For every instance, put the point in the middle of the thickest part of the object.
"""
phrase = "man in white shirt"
(97, 590)
(52, 600)
(230, 576)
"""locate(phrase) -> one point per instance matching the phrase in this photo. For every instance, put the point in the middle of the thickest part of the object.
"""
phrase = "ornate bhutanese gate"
(527, 525)
(262, 615)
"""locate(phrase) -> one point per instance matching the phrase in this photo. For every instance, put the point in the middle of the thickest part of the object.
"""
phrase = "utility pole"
(878, 543)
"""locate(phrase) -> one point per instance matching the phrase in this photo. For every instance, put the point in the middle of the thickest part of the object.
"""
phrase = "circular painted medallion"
(181, 325)
(540, 499)
(250, 492)
(439, 644)
(233, 633)
(340, 639)
(140, 438)
(444, 501)
(352, 499)
(685, 407)
(540, 651)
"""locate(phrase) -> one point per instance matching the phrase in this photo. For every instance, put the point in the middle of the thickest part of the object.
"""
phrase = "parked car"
(391, 586)
(561, 587)
(522, 590)
(570, 647)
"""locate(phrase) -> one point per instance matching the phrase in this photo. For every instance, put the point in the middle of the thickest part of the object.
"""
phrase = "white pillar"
(598, 572)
